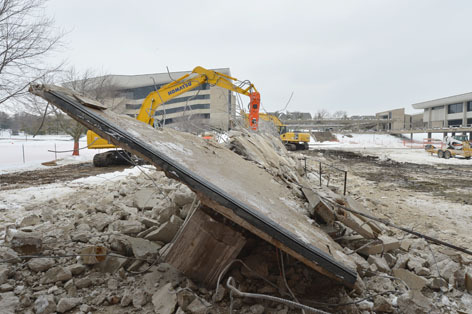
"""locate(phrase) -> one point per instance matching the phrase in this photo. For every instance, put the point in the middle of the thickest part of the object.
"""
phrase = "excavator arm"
(188, 82)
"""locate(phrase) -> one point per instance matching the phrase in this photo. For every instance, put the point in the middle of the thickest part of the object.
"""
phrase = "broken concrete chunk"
(26, 242)
(382, 305)
(164, 300)
(166, 232)
(438, 283)
(4, 273)
(30, 220)
(414, 302)
(144, 249)
(40, 264)
(8, 255)
(111, 264)
(57, 273)
(388, 244)
(380, 262)
(83, 282)
(127, 226)
(45, 304)
(413, 281)
(76, 269)
(183, 196)
(145, 199)
(66, 304)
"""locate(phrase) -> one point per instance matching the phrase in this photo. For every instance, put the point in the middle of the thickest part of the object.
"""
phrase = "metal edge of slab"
(101, 125)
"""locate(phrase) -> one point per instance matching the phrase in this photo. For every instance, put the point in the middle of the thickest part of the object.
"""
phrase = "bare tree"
(27, 38)
(321, 114)
(91, 85)
(340, 114)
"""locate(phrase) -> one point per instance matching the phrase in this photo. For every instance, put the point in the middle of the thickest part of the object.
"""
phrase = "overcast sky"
(359, 56)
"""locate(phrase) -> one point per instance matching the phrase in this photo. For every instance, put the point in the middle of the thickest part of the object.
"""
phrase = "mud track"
(451, 182)
(23, 179)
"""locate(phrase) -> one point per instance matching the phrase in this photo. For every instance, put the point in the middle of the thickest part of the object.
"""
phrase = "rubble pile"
(103, 247)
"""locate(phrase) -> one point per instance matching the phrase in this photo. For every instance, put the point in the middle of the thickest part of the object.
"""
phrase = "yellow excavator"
(291, 140)
(188, 82)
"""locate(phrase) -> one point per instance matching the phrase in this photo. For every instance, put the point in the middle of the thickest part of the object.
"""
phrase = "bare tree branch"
(27, 39)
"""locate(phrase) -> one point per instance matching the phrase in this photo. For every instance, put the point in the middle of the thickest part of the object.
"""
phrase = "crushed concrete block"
(382, 305)
(83, 283)
(164, 300)
(44, 304)
(414, 302)
(197, 307)
(415, 263)
(361, 264)
(148, 222)
(447, 268)
(164, 214)
(413, 281)
(40, 264)
(57, 273)
(438, 283)
(30, 220)
(4, 273)
(127, 226)
(402, 260)
(76, 269)
(66, 304)
(391, 259)
(166, 232)
(144, 249)
(144, 233)
(8, 255)
(26, 242)
(140, 298)
(380, 262)
(379, 284)
(388, 245)
(111, 264)
(183, 196)
(145, 199)
(405, 244)
(100, 220)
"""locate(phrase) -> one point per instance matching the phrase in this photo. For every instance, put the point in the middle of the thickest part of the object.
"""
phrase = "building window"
(183, 108)
(456, 122)
(143, 91)
(437, 108)
(454, 108)
(469, 106)
(469, 122)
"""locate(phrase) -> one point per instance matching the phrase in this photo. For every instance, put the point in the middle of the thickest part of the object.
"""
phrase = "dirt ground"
(53, 174)
(433, 199)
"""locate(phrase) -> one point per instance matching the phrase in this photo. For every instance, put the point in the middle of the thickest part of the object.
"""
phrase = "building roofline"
(443, 101)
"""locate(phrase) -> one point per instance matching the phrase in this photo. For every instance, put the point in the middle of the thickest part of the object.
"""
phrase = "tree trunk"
(76, 148)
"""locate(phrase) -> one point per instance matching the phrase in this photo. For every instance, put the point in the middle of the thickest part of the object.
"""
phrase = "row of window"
(173, 101)
(458, 122)
(457, 108)
(197, 116)
(142, 92)
(183, 108)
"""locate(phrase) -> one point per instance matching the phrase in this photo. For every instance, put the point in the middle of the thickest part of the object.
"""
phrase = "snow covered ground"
(38, 150)
(388, 147)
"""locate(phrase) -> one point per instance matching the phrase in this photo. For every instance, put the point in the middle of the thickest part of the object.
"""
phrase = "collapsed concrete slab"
(223, 181)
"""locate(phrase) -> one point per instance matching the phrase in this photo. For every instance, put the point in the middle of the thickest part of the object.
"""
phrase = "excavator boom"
(188, 82)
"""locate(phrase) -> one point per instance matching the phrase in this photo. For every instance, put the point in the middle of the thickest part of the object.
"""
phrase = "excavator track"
(112, 158)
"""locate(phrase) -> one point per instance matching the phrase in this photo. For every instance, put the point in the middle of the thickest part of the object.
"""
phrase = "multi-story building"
(397, 119)
(205, 107)
(452, 111)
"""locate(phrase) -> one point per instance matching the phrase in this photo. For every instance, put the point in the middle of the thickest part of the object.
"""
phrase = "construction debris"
(151, 244)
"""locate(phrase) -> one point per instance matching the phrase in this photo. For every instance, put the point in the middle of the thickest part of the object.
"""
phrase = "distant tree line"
(30, 123)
